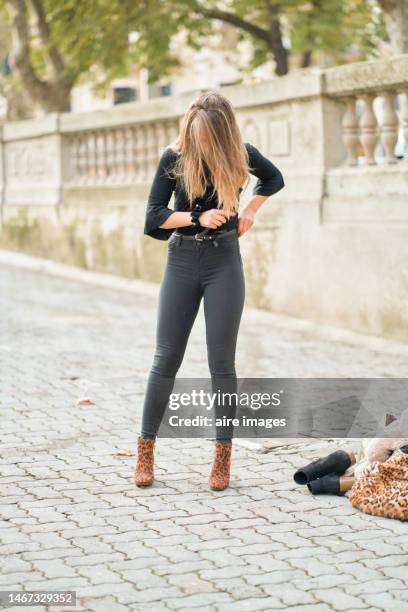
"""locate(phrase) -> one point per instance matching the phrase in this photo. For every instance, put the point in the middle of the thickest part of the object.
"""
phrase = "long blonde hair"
(211, 151)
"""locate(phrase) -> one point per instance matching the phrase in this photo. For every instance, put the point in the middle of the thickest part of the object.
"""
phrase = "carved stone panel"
(32, 170)
(251, 132)
(278, 137)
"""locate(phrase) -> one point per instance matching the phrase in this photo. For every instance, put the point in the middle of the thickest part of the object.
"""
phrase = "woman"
(206, 167)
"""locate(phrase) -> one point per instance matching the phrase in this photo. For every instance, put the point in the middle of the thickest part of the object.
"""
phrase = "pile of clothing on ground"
(375, 480)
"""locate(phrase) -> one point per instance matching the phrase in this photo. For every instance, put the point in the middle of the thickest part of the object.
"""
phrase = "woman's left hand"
(245, 221)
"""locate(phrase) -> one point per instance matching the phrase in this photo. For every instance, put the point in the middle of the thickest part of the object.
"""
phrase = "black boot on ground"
(332, 484)
(329, 484)
(335, 463)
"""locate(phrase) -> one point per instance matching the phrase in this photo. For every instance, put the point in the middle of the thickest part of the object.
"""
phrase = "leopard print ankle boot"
(220, 471)
(144, 471)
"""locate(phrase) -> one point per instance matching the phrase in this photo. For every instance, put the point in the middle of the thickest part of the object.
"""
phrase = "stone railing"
(74, 186)
(361, 87)
(314, 120)
(125, 154)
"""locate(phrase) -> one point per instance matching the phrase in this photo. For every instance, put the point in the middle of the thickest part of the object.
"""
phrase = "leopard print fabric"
(220, 471)
(144, 470)
(383, 489)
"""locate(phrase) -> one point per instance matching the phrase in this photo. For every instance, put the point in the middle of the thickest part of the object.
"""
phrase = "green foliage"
(332, 27)
(92, 36)
(329, 27)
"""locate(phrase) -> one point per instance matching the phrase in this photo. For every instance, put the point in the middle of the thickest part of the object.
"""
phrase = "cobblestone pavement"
(71, 517)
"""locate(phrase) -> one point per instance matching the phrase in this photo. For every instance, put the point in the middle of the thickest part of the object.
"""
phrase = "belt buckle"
(199, 237)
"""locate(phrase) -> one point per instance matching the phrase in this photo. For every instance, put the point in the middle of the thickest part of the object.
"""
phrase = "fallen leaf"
(124, 453)
(85, 401)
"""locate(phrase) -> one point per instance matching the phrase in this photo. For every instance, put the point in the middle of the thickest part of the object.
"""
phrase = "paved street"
(71, 517)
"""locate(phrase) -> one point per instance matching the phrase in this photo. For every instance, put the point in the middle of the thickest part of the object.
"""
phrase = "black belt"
(202, 237)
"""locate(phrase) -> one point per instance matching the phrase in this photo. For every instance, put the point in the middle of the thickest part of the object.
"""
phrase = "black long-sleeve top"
(269, 181)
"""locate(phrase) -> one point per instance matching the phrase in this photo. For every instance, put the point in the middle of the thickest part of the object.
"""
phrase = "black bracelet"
(195, 214)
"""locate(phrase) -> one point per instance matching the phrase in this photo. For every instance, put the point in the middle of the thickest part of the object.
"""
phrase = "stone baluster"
(146, 129)
(129, 154)
(151, 149)
(85, 157)
(100, 151)
(404, 120)
(70, 158)
(110, 155)
(350, 131)
(82, 158)
(115, 157)
(173, 130)
(140, 153)
(369, 129)
(120, 160)
(389, 128)
(91, 157)
(161, 138)
(74, 156)
(137, 136)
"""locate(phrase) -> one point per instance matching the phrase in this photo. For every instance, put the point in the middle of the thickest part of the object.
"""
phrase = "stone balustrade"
(125, 154)
(331, 246)
(376, 110)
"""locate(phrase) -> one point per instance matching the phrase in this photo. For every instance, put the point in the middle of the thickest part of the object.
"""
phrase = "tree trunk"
(396, 22)
(275, 43)
(51, 95)
(279, 52)
(307, 59)
(271, 36)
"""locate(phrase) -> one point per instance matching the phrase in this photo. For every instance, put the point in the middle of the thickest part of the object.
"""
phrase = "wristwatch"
(195, 214)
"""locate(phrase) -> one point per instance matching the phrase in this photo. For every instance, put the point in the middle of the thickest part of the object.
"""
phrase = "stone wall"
(332, 246)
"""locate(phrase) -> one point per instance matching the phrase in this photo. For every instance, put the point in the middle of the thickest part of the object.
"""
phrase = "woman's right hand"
(215, 217)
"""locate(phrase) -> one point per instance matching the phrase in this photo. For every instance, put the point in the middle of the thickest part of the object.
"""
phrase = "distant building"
(218, 63)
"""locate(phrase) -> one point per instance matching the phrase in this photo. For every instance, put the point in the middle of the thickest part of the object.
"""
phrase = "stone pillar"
(389, 127)
(369, 129)
(334, 132)
(350, 130)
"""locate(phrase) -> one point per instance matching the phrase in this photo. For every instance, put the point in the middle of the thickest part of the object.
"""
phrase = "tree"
(276, 28)
(332, 27)
(51, 93)
(60, 44)
(396, 21)
(261, 20)
(55, 44)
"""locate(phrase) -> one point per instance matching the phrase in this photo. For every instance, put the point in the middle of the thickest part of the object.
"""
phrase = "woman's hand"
(245, 221)
(215, 217)
(247, 217)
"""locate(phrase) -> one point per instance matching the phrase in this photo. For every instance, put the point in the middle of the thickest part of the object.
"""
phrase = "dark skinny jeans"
(195, 271)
